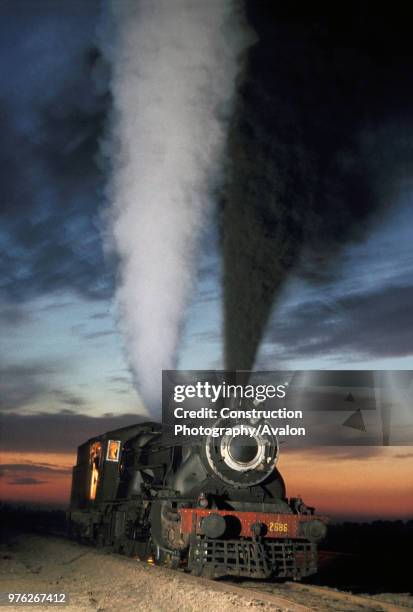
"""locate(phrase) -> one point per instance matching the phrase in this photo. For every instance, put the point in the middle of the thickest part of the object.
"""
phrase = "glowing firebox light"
(95, 456)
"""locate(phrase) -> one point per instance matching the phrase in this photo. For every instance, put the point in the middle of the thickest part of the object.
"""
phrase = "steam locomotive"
(214, 505)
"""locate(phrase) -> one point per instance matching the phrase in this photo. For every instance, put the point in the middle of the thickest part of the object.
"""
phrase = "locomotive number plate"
(278, 527)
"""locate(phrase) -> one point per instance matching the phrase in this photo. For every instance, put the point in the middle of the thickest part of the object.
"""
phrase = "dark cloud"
(61, 432)
(33, 382)
(80, 330)
(120, 379)
(206, 336)
(99, 334)
(404, 456)
(207, 296)
(68, 398)
(375, 323)
(26, 481)
(24, 384)
(337, 453)
(30, 473)
(56, 306)
(99, 315)
(44, 464)
(123, 384)
(39, 468)
(51, 118)
(14, 316)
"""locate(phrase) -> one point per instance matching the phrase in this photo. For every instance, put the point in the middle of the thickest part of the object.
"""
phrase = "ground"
(101, 581)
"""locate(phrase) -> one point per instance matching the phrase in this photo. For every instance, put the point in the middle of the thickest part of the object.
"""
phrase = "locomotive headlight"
(241, 459)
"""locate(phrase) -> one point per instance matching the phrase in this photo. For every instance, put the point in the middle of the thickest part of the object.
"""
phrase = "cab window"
(113, 450)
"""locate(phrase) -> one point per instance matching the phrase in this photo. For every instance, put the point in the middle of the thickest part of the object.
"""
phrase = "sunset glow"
(36, 477)
(372, 484)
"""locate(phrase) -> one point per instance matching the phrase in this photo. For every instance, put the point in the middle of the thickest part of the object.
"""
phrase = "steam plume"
(174, 65)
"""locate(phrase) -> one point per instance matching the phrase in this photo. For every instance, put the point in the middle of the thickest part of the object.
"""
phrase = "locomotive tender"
(213, 505)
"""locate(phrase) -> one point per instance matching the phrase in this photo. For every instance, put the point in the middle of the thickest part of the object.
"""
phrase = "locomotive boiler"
(213, 505)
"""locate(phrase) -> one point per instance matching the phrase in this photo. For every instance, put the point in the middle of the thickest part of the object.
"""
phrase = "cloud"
(120, 379)
(338, 453)
(60, 432)
(24, 384)
(206, 336)
(404, 456)
(68, 398)
(30, 472)
(51, 117)
(56, 306)
(14, 316)
(122, 385)
(100, 334)
(28, 384)
(99, 315)
(39, 468)
(376, 323)
(26, 481)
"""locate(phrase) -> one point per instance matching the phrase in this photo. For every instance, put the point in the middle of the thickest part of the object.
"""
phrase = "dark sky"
(321, 145)
(53, 102)
(322, 244)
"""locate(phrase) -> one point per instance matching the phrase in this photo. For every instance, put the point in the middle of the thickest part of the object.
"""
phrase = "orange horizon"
(55, 488)
(380, 486)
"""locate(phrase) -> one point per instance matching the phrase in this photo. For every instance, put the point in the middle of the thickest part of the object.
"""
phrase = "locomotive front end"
(242, 523)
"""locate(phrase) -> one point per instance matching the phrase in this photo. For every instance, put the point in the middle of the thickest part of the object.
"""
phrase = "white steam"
(174, 65)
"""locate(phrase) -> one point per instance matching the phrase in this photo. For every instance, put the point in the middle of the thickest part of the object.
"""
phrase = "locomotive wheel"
(162, 551)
